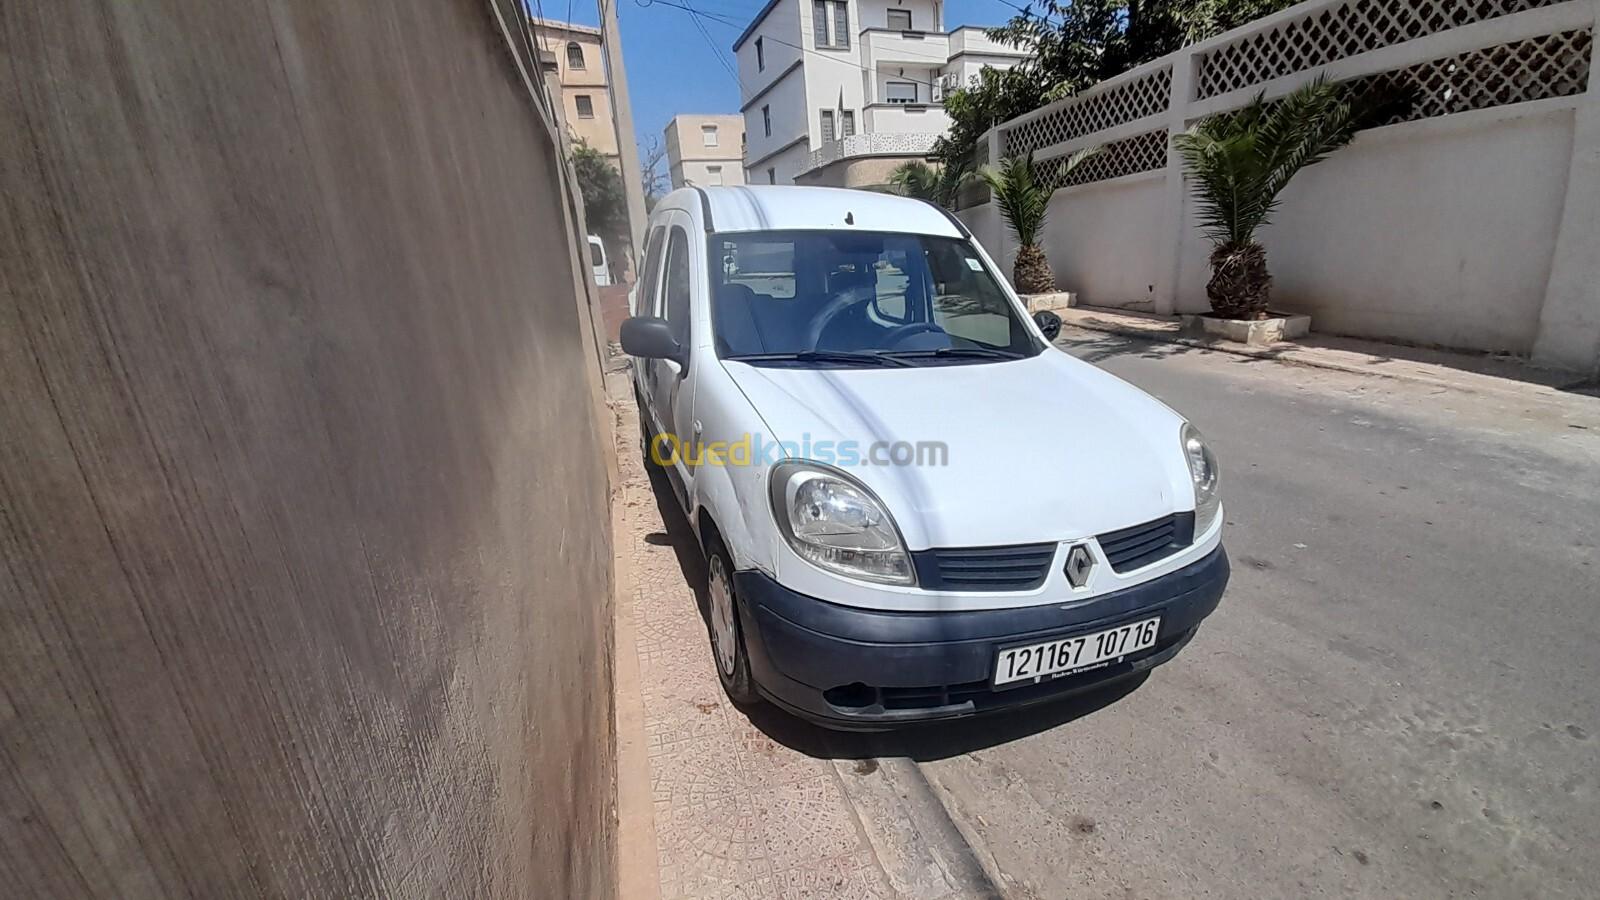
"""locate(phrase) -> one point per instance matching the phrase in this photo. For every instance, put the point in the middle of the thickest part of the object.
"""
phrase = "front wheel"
(645, 437)
(727, 638)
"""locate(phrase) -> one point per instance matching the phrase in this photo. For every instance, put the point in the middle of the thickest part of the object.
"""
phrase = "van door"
(645, 300)
(671, 385)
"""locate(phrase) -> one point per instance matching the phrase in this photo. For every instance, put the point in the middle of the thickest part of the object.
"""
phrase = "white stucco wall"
(698, 172)
(1472, 229)
(894, 119)
(925, 14)
(1438, 232)
(1097, 238)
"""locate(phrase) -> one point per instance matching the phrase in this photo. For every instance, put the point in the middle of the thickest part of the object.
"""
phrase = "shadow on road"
(917, 742)
(939, 740)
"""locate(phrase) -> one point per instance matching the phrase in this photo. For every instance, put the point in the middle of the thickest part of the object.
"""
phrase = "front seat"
(736, 328)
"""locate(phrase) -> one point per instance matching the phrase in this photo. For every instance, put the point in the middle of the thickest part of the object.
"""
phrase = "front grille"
(1141, 545)
(1020, 567)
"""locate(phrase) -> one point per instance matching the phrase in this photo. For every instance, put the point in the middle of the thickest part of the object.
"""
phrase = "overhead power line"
(695, 16)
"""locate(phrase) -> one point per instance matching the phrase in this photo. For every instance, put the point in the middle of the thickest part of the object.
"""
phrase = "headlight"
(835, 523)
(1203, 469)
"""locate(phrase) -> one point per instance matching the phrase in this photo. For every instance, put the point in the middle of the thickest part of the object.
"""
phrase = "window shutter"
(827, 125)
(819, 21)
(847, 123)
(841, 25)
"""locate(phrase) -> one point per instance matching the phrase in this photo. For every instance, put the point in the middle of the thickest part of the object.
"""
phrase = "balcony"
(882, 144)
(883, 47)
(905, 118)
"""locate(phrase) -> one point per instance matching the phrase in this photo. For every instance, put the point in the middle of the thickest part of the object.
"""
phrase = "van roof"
(786, 208)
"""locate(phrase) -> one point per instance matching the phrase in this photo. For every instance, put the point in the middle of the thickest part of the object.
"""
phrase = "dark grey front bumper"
(855, 668)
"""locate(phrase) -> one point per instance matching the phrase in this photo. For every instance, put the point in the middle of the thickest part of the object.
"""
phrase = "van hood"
(1041, 449)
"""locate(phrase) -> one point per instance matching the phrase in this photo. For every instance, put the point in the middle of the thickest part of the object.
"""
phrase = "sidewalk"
(734, 813)
(1438, 368)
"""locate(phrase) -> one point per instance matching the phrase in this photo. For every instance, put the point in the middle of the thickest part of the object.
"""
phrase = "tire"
(644, 438)
(732, 664)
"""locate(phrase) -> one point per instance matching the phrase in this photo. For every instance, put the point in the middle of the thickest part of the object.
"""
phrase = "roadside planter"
(1051, 301)
(1278, 326)
(844, 405)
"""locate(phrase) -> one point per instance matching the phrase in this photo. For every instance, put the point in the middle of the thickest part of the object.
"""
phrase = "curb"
(637, 864)
(920, 848)
(1291, 354)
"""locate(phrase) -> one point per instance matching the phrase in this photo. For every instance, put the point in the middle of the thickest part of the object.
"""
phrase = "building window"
(708, 135)
(761, 56)
(766, 121)
(827, 125)
(900, 91)
(835, 13)
(714, 174)
(772, 176)
(847, 123)
(585, 106)
(900, 20)
(574, 55)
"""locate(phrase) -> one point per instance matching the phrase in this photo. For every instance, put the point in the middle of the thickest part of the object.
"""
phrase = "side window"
(677, 285)
(646, 301)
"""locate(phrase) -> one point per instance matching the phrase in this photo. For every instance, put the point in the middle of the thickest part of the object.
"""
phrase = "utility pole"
(622, 120)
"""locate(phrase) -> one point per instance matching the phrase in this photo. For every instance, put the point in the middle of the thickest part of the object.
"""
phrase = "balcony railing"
(881, 46)
(877, 144)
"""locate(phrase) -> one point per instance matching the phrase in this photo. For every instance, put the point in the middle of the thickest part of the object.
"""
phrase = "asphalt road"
(1399, 696)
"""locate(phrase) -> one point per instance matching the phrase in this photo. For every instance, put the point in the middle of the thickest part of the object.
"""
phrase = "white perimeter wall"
(1472, 230)
(1439, 232)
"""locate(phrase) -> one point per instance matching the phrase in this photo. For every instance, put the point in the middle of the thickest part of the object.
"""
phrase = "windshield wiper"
(843, 356)
(941, 352)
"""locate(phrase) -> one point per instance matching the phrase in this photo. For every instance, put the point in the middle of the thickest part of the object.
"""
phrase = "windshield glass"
(825, 296)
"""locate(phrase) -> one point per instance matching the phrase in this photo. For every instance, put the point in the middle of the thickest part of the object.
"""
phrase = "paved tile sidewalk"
(736, 813)
(1460, 371)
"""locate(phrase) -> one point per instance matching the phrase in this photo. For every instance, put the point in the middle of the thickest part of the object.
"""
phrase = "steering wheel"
(899, 333)
(850, 296)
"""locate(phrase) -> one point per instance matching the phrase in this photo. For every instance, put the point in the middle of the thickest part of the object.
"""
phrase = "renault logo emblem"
(1080, 563)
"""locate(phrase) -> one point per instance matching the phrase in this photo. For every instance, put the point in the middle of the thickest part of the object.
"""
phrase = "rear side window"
(677, 292)
(647, 282)
(596, 255)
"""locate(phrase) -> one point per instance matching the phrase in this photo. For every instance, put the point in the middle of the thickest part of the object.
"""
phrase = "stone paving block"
(737, 814)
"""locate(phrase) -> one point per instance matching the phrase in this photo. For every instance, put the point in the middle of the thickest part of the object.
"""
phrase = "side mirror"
(649, 337)
(1048, 322)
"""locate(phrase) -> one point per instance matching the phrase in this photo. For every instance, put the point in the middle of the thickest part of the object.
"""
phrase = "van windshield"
(832, 298)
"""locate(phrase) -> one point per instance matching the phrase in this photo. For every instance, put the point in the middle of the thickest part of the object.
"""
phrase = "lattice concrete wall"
(1522, 68)
(1092, 112)
(1323, 33)
(1539, 68)
(1339, 31)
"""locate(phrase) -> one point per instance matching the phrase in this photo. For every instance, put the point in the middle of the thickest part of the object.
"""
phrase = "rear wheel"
(727, 637)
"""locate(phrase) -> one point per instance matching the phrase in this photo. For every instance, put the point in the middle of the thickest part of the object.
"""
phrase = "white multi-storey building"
(841, 91)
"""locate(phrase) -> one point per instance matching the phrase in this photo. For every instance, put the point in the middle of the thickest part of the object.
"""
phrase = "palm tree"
(1023, 202)
(1240, 162)
(916, 179)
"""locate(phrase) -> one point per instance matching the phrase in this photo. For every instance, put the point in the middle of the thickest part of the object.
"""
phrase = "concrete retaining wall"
(304, 544)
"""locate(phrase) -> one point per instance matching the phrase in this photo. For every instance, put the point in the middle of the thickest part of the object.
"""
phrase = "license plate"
(1068, 655)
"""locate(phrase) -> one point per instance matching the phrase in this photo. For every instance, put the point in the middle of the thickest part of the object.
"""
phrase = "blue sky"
(671, 67)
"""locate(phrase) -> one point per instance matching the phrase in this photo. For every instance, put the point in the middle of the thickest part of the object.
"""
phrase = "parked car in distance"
(912, 506)
(598, 261)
